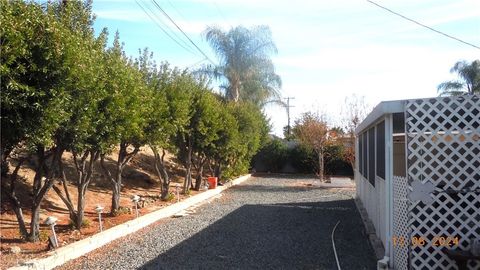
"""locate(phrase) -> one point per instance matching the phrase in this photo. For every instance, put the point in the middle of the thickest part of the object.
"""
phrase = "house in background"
(418, 177)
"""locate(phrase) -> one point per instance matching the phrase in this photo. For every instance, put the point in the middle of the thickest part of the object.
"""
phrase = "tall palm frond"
(245, 67)
(469, 83)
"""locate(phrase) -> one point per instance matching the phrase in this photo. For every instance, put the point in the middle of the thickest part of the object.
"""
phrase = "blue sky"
(327, 50)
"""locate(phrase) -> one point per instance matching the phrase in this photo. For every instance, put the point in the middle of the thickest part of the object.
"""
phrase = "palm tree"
(469, 82)
(245, 70)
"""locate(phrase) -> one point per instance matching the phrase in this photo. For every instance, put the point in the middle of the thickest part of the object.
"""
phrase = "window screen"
(365, 155)
(371, 156)
(360, 154)
(381, 150)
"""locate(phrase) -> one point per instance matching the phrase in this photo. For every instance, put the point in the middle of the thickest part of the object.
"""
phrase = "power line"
(163, 30)
(423, 25)
(169, 28)
(221, 13)
(176, 10)
(197, 63)
(180, 29)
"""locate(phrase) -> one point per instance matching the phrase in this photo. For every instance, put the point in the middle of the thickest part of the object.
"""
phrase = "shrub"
(272, 157)
(278, 157)
(122, 211)
(86, 223)
(43, 236)
(170, 197)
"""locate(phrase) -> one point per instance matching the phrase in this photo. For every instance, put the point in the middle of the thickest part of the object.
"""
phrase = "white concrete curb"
(80, 248)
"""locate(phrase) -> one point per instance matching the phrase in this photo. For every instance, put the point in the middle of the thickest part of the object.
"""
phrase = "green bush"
(272, 157)
(303, 159)
(277, 157)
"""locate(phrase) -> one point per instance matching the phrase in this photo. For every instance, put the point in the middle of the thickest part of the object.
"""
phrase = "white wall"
(374, 201)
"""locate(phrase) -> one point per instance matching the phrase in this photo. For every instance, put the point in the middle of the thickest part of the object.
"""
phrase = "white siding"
(374, 201)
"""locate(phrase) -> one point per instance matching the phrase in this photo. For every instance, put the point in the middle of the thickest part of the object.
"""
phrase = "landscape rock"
(15, 250)
(262, 224)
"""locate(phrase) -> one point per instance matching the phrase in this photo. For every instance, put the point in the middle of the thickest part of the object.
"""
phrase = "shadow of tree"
(277, 236)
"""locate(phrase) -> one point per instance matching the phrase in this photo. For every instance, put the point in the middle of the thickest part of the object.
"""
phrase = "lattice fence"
(443, 147)
(401, 229)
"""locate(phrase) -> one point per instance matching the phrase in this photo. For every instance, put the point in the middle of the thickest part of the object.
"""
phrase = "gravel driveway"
(265, 223)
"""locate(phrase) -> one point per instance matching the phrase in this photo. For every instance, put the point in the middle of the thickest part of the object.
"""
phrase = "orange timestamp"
(420, 241)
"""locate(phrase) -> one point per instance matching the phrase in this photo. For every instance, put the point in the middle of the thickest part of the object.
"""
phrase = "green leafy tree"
(245, 130)
(167, 113)
(80, 135)
(469, 79)
(205, 131)
(124, 111)
(33, 100)
(253, 127)
(226, 148)
(245, 69)
(272, 157)
(200, 132)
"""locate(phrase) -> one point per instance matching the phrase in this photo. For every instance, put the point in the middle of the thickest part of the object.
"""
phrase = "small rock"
(15, 250)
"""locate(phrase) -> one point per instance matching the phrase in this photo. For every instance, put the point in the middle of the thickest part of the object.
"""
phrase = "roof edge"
(383, 108)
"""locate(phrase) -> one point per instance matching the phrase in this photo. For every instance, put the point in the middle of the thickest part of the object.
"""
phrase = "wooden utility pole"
(288, 115)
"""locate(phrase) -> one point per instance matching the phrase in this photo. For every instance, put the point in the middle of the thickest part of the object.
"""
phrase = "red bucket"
(212, 182)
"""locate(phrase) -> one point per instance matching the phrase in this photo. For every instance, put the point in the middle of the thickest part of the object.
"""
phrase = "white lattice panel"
(443, 144)
(401, 229)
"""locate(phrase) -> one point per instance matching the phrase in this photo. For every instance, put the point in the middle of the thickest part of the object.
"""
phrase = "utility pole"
(288, 115)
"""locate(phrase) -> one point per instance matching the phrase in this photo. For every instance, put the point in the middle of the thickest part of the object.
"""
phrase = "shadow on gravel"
(263, 188)
(285, 176)
(276, 236)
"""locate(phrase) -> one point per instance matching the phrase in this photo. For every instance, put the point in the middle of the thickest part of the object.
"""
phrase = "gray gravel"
(265, 223)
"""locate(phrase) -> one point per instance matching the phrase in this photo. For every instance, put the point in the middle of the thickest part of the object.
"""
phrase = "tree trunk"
(4, 163)
(162, 173)
(12, 197)
(188, 168)
(188, 177)
(21, 220)
(80, 206)
(218, 171)
(198, 179)
(116, 179)
(116, 188)
(210, 168)
(320, 165)
(84, 170)
(66, 199)
(42, 186)
(16, 203)
(34, 224)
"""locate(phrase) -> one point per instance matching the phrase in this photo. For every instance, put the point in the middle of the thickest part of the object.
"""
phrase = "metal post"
(178, 192)
(54, 234)
(100, 221)
(99, 210)
(135, 200)
(136, 209)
